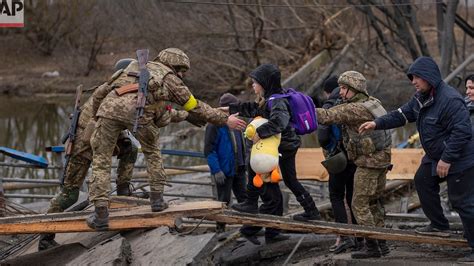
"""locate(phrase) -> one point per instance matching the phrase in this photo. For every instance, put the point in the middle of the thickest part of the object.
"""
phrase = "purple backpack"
(303, 112)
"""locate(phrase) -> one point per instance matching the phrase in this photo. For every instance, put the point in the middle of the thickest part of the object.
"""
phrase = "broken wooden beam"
(121, 219)
(322, 227)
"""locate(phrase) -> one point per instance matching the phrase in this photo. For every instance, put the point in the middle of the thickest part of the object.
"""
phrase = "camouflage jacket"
(164, 85)
(370, 150)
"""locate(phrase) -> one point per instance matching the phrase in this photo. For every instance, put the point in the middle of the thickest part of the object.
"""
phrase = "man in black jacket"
(442, 120)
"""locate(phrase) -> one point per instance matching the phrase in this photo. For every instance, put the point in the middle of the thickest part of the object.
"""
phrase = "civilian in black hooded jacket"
(266, 82)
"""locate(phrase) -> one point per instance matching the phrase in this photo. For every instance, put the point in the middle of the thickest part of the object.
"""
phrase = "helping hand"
(367, 126)
(234, 122)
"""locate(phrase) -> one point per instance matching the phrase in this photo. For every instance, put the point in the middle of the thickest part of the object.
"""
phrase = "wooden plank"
(322, 227)
(405, 163)
(131, 218)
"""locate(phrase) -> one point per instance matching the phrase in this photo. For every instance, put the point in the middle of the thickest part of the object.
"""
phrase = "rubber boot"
(310, 213)
(46, 241)
(157, 202)
(124, 189)
(99, 220)
(384, 249)
(371, 250)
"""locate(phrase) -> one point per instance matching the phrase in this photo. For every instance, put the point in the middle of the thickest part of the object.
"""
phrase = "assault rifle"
(144, 76)
(70, 137)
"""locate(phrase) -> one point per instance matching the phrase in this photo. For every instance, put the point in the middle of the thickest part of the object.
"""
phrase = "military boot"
(157, 202)
(99, 220)
(46, 241)
(384, 249)
(371, 250)
(310, 211)
(124, 189)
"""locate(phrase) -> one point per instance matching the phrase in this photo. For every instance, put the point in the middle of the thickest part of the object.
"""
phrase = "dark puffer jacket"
(441, 117)
(269, 77)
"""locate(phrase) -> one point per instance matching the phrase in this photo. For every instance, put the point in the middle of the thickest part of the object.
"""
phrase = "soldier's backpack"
(303, 112)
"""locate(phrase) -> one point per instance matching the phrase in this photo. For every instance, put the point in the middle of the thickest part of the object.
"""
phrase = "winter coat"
(441, 117)
(220, 150)
(268, 76)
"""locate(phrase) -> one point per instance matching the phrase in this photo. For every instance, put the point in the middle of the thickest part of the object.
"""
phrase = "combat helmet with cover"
(355, 80)
(174, 58)
(122, 63)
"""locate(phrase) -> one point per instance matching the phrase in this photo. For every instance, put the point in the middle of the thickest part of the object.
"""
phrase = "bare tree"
(447, 36)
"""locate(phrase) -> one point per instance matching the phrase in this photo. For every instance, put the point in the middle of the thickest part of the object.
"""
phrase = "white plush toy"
(264, 156)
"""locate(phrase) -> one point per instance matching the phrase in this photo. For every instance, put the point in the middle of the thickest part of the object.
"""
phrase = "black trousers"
(427, 187)
(460, 193)
(341, 186)
(234, 184)
(271, 193)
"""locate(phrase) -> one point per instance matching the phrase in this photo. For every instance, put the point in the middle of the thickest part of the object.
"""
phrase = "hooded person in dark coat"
(442, 120)
(266, 82)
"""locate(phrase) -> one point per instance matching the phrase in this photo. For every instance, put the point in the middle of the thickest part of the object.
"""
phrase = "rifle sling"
(133, 87)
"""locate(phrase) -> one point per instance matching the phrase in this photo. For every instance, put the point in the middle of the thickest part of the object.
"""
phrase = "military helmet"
(335, 164)
(175, 58)
(354, 80)
(122, 63)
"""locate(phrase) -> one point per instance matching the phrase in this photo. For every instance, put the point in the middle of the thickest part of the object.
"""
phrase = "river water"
(31, 124)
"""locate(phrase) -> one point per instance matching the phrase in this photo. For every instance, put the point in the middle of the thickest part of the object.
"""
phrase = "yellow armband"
(190, 104)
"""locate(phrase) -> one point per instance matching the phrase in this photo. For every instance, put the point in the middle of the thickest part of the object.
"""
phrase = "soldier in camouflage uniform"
(81, 159)
(370, 152)
(116, 112)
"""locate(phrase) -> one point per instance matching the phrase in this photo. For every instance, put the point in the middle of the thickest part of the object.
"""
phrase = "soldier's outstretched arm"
(347, 114)
(179, 93)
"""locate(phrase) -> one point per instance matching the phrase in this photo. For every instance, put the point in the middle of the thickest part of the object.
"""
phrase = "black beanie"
(330, 84)
(228, 99)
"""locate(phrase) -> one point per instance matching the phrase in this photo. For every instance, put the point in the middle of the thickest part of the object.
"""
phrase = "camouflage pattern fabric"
(372, 162)
(354, 80)
(103, 139)
(117, 113)
(367, 206)
(175, 58)
(164, 86)
(352, 115)
(80, 161)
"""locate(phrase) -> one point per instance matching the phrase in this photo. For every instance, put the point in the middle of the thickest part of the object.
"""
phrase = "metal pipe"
(27, 165)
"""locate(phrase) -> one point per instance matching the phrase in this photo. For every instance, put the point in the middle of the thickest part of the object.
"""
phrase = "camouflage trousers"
(103, 139)
(369, 184)
(79, 163)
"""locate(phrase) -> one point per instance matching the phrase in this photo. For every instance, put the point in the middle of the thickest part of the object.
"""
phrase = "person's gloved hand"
(220, 178)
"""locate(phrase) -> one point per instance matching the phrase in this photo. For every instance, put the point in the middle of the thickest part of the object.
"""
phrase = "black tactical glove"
(219, 178)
